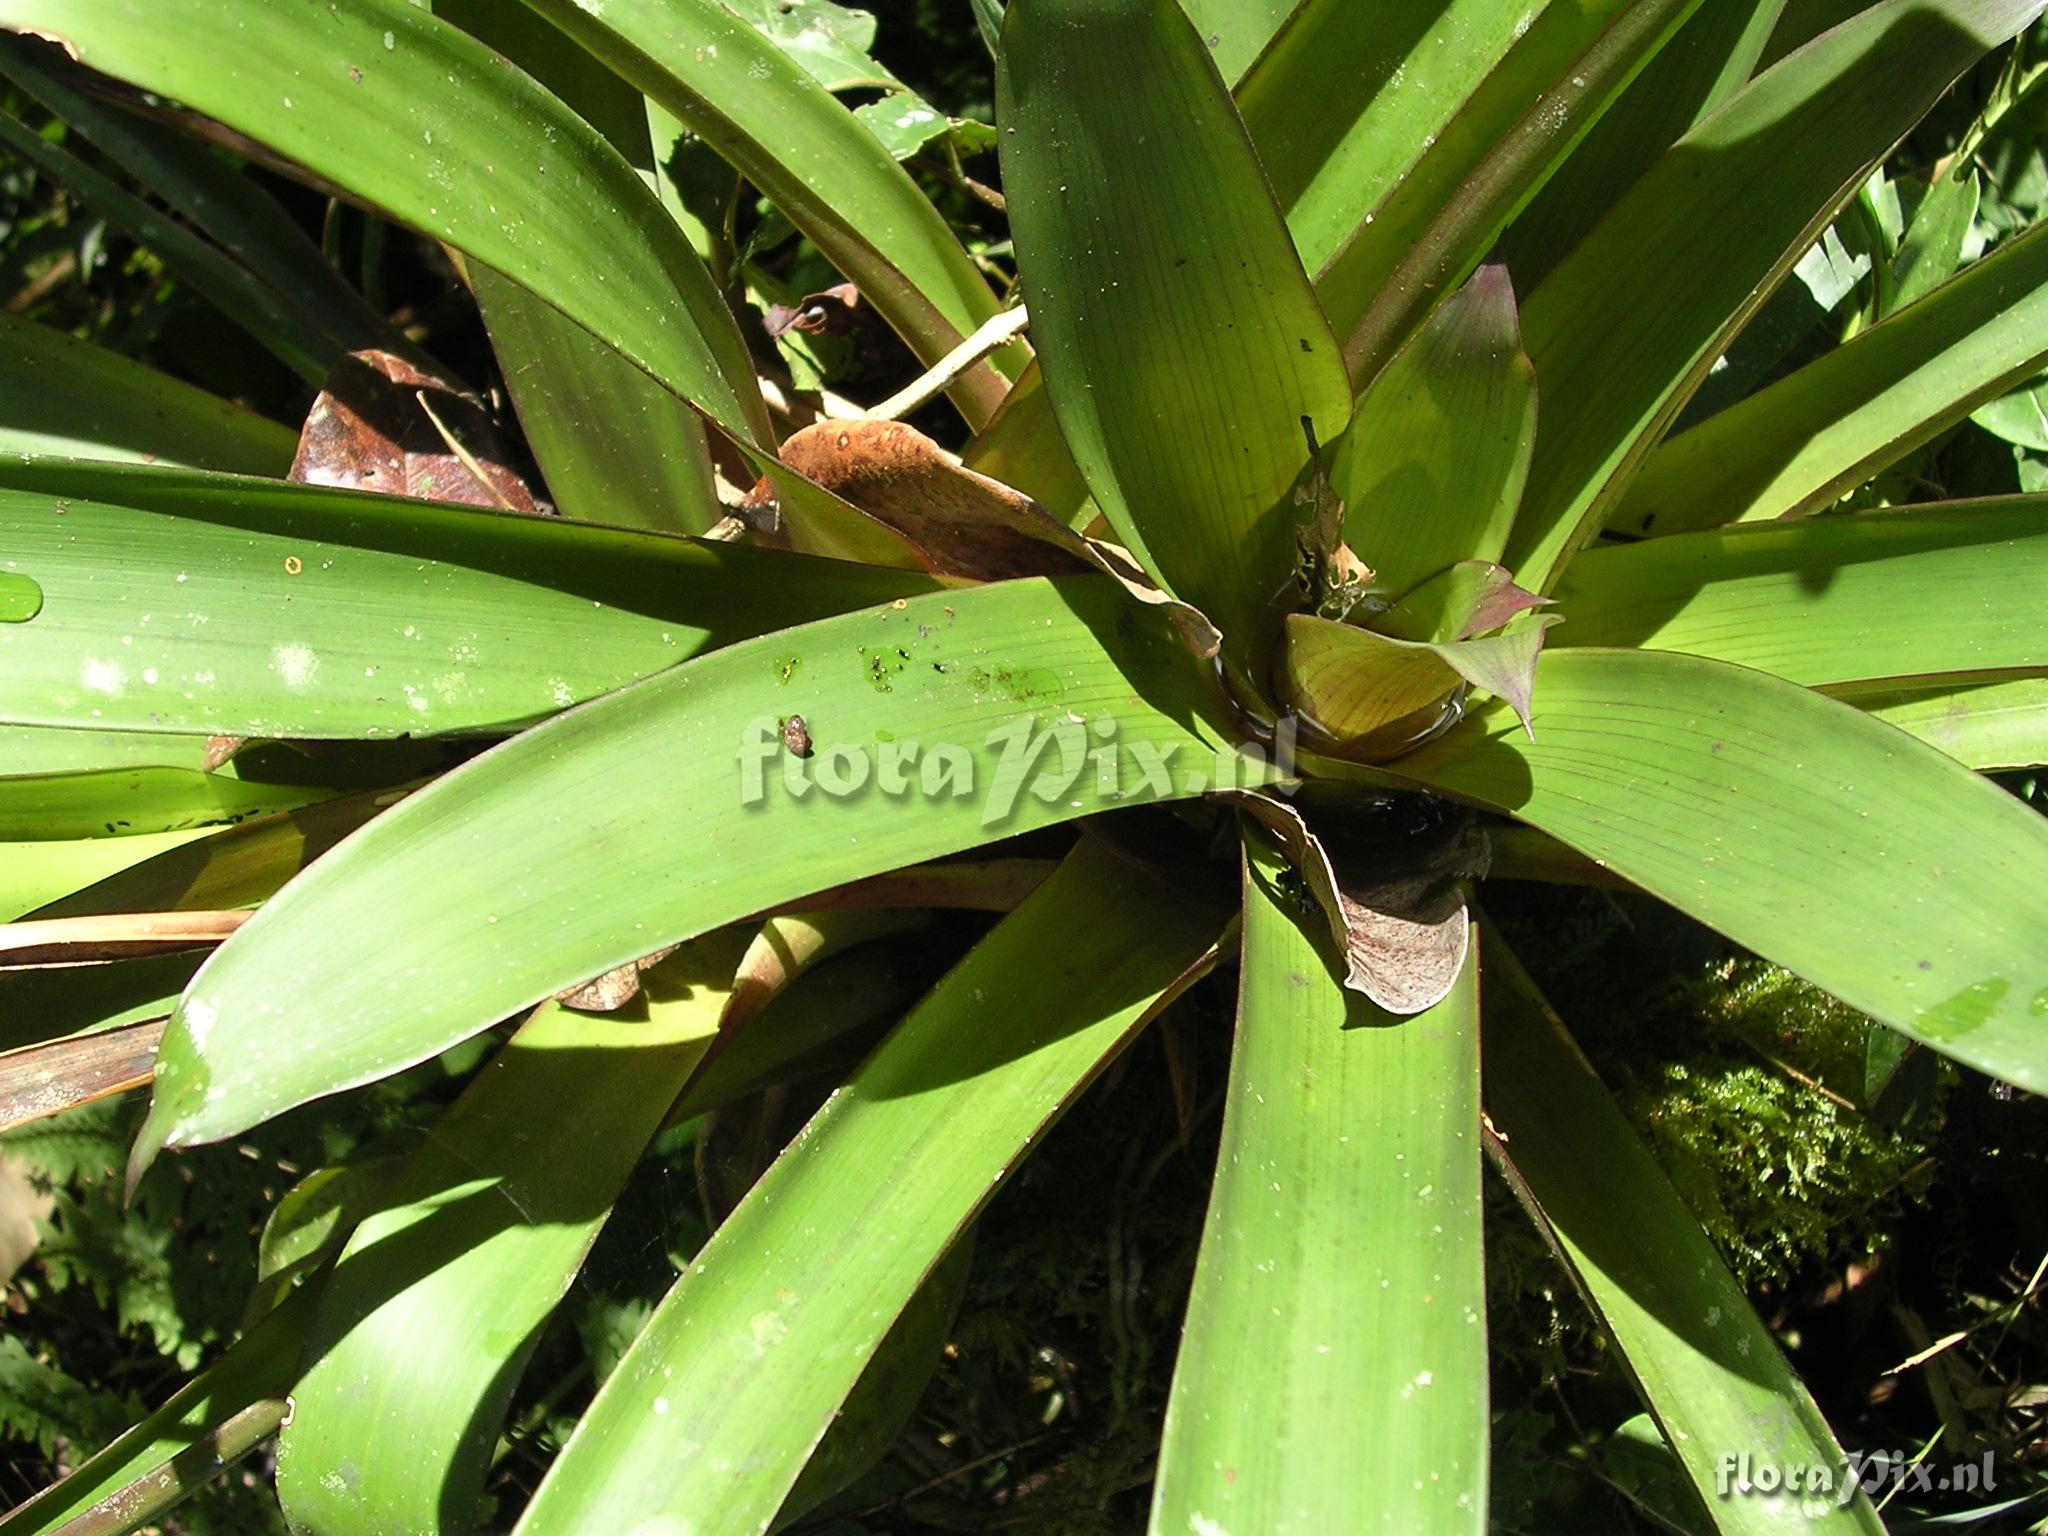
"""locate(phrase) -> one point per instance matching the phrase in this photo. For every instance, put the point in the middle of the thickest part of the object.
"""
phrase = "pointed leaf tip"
(149, 1141)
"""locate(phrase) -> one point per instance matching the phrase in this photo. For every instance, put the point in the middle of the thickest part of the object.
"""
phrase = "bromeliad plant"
(1270, 366)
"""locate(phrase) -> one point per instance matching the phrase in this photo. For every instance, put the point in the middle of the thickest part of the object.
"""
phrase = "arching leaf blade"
(1340, 1282)
(437, 131)
(1520, 122)
(1687, 1335)
(788, 135)
(298, 612)
(62, 397)
(1625, 328)
(1181, 344)
(1827, 842)
(1800, 443)
(667, 809)
(502, 1201)
(216, 1418)
(1830, 602)
(758, 1344)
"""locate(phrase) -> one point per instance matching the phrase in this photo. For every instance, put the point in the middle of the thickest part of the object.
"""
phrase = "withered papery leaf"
(1394, 906)
(826, 313)
(381, 424)
(965, 523)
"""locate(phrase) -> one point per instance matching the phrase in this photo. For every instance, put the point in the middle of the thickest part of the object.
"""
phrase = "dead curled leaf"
(1395, 906)
(964, 523)
(961, 522)
(381, 424)
(42, 1080)
(826, 313)
(615, 988)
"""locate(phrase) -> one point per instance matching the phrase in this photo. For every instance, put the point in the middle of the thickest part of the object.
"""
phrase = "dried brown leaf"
(381, 424)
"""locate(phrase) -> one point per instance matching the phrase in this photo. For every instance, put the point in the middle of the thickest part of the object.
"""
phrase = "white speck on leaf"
(296, 664)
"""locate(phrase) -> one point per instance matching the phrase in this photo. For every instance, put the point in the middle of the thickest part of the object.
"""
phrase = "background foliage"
(1863, 1238)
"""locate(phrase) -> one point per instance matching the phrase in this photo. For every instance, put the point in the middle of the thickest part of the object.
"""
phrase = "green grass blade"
(222, 1414)
(1804, 441)
(1838, 847)
(1507, 137)
(1819, 601)
(1335, 1343)
(1628, 324)
(1984, 725)
(1433, 467)
(502, 1201)
(760, 110)
(1705, 1365)
(713, 1412)
(421, 121)
(68, 398)
(1181, 344)
(268, 316)
(667, 809)
(301, 612)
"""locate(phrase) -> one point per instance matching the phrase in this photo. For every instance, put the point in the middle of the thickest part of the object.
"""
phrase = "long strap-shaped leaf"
(62, 397)
(1629, 323)
(1981, 725)
(217, 1418)
(789, 136)
(1181, 344)
(709, 1418)
(1933, 591)
(1797, 445)
(1432, 469)
(1335, 1341)
(1509, 134)
(502, 1201)
(290, 334)
(1686, 1333)
(1348, 100)
(681, 804)
(245, 221)
(614, 445)
(420, 120)
(1706, 61)
(1390, 201)
(1835, 845)
(210, 603)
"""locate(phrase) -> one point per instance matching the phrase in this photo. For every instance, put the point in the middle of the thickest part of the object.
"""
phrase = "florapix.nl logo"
(1058, 760)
